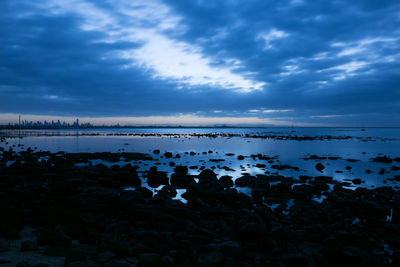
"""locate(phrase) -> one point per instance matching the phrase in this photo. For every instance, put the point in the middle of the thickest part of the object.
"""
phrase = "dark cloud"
(316, 59)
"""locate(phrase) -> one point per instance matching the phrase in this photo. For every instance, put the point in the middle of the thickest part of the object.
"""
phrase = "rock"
(240, 157)
(81, 264)
(53, 236)
(146, 193)
(156, 178)
(356, 181)
(207, 174)
(150, 259)
(4, 261)
(75, 255)
(261, 165)
(384, 159)
(168, 155)
(4, 245)
(245, 181)
(156, 151)
(54, 251)
(226, 180)
(167, 192)
(181, 181)
(229, 247)
(106, 256)
(320, 167)
(181, 170)
(28, 245)
(210, 259)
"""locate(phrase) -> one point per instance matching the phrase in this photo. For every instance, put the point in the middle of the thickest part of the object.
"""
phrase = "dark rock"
(240, 157)
(168, 155)
(106, 256)
(181, 181)
(384, 159)
(320, 167)
(156, 178)
(156, 151)
(4, 245)
(54, 251)
(167, 191)
(28, 245)
(53, 236)
(181, 170)
(226, 180)
(357, 181)
(150, 259)
(210, 259)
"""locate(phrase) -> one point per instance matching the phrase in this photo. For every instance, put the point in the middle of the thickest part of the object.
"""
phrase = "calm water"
(288, 151)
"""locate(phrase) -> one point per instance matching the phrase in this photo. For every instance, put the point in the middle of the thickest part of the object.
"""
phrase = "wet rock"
(210, 259)
(384, 159)
(320, 167)
(54, 251)
(181, 181)
(106, 256)
(240, 157)
(226, 168)
(81, 264)
(156, 178)
(284, 167)
(245, 181)
(226, 180)
(4, 245)
(357, 181)
(181, 170)
(168, 155)
(150, 259)
(156, 151)
(28, 245)
(230, 247)
(167, 192)
(53, 236)
(207, 174)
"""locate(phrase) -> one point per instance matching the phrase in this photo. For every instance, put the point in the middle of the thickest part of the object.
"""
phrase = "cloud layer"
(335, 63)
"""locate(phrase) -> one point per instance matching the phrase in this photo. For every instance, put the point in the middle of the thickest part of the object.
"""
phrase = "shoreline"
(84, 215)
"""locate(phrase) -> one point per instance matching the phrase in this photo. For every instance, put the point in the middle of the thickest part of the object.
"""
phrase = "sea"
(355, 149)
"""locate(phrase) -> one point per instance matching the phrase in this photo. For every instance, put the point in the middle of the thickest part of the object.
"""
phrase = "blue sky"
(202, 62)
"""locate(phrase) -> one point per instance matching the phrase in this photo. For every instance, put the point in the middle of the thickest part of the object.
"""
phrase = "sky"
(200, 62)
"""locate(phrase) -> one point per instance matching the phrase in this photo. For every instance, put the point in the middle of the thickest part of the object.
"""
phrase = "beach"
(184, 199)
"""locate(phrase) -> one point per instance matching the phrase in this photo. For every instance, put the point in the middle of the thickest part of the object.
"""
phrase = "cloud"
(163, 58)
(146, 23)
(271, 36)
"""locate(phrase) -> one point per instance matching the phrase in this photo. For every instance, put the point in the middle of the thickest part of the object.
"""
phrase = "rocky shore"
(283, 137)
(59, 213)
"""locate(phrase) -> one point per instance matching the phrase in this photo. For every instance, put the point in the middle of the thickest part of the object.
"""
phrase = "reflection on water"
(289, 152)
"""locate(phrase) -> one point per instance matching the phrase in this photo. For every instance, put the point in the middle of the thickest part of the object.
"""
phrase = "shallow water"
(384, 140)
